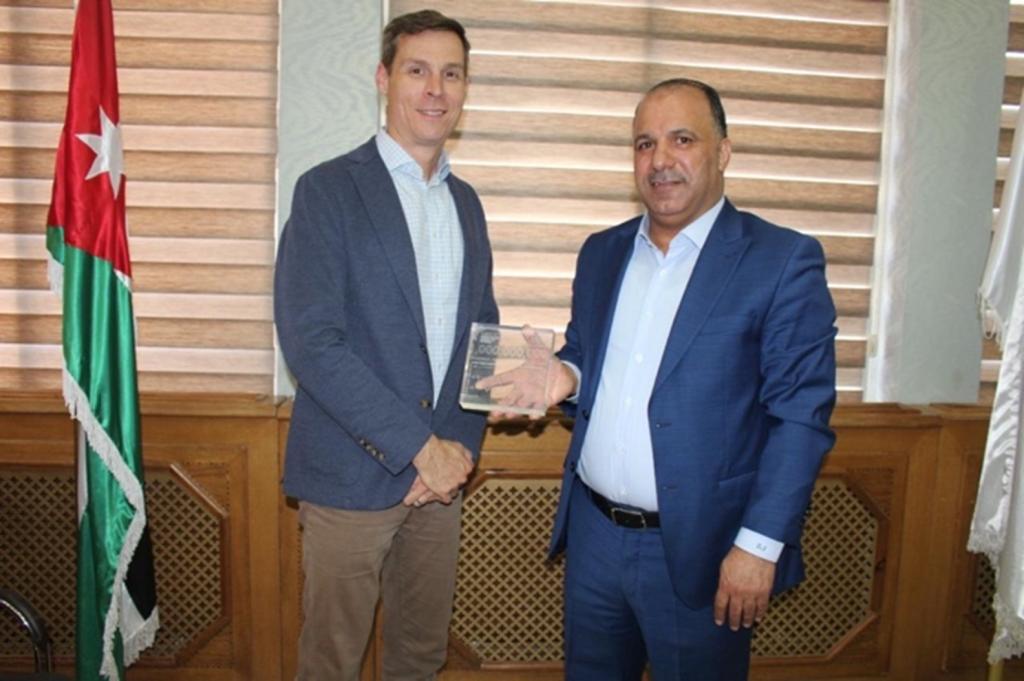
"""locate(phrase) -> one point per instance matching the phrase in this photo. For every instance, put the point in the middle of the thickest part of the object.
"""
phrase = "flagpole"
(995, 671)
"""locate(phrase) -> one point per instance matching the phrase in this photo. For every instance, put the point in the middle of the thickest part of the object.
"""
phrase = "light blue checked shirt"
(436, 237)
(617, 460)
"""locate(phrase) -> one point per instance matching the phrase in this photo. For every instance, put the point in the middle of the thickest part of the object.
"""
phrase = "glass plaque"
(520, 357)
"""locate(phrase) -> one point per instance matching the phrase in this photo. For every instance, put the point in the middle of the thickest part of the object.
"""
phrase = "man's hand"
(744, 585)
(531, 386)
(443, 467)
(419, 494)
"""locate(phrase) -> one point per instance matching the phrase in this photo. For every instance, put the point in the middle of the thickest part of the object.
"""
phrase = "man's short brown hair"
(418, 22)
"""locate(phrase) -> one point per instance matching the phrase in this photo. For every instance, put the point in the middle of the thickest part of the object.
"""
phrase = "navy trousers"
(621, 612)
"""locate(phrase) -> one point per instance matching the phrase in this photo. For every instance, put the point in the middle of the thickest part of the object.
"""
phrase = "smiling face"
(679, 158)
(425, 90)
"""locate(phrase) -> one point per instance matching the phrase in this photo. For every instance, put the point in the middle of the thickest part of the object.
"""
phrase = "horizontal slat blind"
(198, 109)
(545, 137)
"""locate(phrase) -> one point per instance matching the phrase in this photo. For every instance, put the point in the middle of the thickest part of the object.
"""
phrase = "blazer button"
(425, 403)
(586, 414)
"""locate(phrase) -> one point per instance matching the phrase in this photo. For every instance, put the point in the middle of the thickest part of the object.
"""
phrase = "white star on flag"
(109, 152)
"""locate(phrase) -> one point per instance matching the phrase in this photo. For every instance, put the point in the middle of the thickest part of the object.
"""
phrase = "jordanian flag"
(91, 270)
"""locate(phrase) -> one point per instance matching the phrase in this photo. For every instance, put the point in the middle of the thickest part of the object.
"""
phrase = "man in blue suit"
(381, 269)
(701, 356)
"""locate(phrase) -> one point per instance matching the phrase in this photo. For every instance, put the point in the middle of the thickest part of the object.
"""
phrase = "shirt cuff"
(579, 377)
(759, 545)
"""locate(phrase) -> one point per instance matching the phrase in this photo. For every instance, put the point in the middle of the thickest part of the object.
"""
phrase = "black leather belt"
(632, 518)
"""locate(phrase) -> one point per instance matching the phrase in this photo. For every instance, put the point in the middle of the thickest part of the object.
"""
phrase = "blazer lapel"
(385, 210)
(472, 261)
(605, 295)
(715, 267)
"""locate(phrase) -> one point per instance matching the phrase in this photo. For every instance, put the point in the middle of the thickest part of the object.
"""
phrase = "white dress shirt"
(617, 460)
(436, 235)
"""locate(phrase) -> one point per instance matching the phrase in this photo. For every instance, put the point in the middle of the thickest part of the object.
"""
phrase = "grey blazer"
(350, 324)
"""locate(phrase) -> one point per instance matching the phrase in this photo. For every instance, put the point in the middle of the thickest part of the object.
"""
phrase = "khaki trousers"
(407, 558)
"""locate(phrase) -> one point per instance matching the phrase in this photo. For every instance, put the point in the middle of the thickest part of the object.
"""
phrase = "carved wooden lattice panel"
(984, 593)
(839, 552)
(508, 598)
(187, 557)
(38, 516)
(37, 558)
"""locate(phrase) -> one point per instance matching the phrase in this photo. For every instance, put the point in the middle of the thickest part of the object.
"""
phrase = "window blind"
(198, 110)
(545, 137)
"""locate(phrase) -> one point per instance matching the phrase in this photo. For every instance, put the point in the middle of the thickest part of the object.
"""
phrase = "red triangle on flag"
(88, 200)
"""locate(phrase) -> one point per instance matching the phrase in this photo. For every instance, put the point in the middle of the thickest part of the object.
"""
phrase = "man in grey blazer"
(382, 267)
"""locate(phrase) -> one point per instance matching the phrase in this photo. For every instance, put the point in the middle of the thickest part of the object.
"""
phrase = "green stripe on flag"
(101, 391)
(102, 544)
(99, 349)
(55, 243)
(93, 600)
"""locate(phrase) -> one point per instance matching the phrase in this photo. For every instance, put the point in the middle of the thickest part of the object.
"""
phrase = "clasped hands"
(442, 467)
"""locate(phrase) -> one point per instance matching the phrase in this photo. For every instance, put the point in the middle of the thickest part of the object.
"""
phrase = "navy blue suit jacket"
(740, 407)
(350, 324)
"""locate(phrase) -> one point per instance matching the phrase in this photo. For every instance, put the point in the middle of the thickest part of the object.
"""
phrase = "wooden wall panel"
(963, 581)
(891, 592)
(209, 467)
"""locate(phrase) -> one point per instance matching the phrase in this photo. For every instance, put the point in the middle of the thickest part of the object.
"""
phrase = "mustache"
(665, 176)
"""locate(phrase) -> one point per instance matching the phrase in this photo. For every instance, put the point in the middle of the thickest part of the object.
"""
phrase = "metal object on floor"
(34, 625)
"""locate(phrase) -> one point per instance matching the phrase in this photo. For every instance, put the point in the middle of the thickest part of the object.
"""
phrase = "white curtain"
(997, 528)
